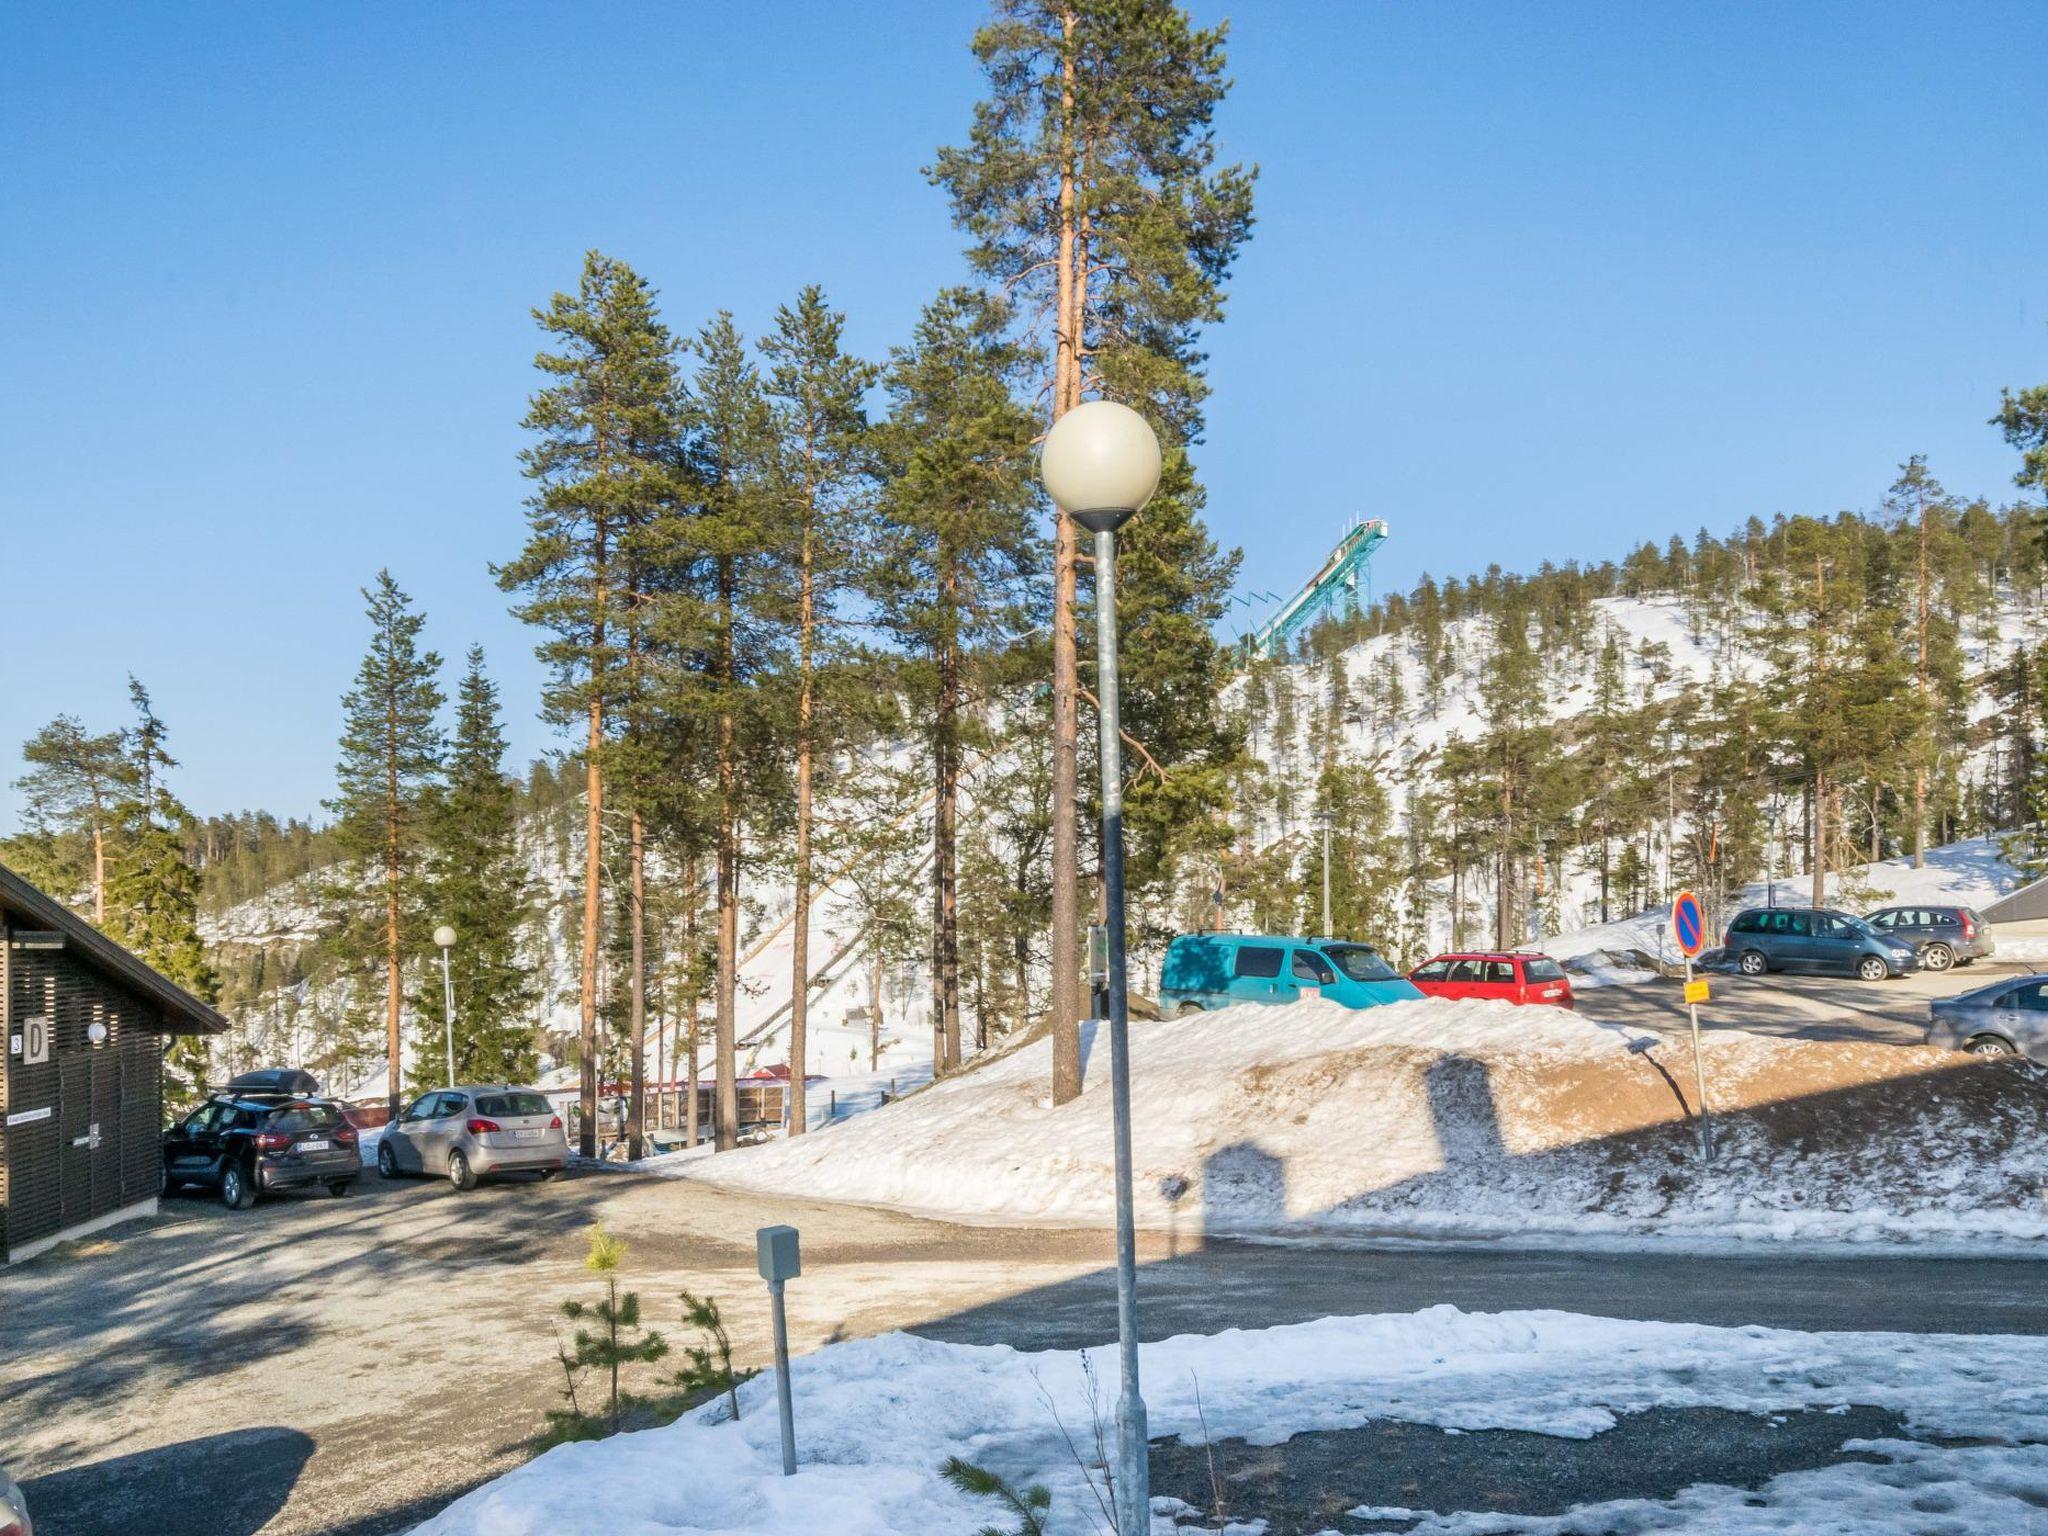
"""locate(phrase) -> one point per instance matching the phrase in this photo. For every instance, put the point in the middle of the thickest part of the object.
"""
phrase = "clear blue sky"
(1528, 281)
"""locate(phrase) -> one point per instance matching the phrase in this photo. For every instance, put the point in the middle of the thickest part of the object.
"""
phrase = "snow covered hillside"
(1459, 1119)
(875, 1418)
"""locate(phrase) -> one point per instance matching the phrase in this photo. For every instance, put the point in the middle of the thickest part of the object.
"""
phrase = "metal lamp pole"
(444, 936)
(1101, 463)
(1325, 819)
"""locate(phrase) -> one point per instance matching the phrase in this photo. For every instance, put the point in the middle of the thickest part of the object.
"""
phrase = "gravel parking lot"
(345, 1367)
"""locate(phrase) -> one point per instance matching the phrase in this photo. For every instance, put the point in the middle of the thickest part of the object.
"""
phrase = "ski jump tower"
(1332, 590)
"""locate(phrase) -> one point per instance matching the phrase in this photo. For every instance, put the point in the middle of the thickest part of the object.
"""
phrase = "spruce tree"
(482, 889)
(389, 768)
(1089, 188)
(153, 894)
(604, 464)
(821, 470)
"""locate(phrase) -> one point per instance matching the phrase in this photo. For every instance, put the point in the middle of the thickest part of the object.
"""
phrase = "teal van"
(1219, 970)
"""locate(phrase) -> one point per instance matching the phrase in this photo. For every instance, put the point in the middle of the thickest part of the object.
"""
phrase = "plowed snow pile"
(1459, 1119)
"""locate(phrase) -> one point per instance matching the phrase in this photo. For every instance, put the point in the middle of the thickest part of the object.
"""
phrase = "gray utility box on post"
(780, 1260)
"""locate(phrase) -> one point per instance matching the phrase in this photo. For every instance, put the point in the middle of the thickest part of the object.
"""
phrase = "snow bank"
(875, 1419)
(1457, 1119)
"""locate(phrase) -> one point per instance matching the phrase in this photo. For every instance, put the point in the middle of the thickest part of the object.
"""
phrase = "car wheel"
(1990, 1045)
(1187, 1010)
(1753, 962)
(387, 1161)
(237, 1189)
(1870, 968)
(459, 1173)
(1937, 957)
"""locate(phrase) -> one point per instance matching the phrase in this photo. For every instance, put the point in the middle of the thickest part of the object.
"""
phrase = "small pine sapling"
(710, 1363)
(614, 1343)
(1030, 1506)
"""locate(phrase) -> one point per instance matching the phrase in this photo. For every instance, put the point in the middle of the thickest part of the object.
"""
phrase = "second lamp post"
(1101, 464)
(444, 938)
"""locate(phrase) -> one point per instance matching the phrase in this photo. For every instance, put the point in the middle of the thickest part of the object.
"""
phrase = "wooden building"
(81, 1088)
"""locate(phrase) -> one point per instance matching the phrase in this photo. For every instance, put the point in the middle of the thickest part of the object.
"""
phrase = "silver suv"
(469, 1134)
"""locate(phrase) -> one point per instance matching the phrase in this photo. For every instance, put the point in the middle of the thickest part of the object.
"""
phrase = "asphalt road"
(1798, 1007)
(346, 1367)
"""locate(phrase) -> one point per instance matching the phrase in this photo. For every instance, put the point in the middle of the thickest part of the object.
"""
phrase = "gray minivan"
(1944, 936)
(1815, 939)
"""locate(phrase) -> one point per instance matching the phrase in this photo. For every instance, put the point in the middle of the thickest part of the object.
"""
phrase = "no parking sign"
(1688, 924)
(1689, 929)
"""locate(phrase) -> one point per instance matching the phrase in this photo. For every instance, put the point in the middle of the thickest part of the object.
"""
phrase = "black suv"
(245, 1143)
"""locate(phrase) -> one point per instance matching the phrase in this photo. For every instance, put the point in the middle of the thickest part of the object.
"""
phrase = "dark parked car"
(1815, 939)
(1944, 936)
(2001, 1018)
(245, 1144)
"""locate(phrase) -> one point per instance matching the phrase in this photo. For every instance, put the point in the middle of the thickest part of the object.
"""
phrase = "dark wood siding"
(100, 1148)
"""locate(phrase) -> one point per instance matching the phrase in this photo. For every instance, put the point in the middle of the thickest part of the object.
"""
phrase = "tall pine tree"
(603, 464)
(1089, 185)
(821, 472)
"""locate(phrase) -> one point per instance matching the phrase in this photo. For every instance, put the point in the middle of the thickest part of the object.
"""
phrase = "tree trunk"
(636, 1101)
(394, 954)
(593, 844)
(945, 872)
(99, 872)
(800, 938)
(1820, 839)
(1066, 719)
(875, 1009)
(688, 1021)
(726, 1109)
(1920, 668)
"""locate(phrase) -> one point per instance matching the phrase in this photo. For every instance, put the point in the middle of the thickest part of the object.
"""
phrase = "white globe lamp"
(1100, 463)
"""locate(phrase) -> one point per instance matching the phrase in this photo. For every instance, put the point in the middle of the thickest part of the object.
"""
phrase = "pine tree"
(821, 472)
(603, 466)
(721, 608)
(75, 779)
(953, 572)
(1089, 182)
(390, 764)
(482, 889)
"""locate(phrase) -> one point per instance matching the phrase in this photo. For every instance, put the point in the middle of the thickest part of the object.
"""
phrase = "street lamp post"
(1101, 464)
(1326, 820)
(444, 936)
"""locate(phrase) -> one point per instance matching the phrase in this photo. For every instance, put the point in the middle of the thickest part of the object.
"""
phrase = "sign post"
(1689, 929)
(780, 1261)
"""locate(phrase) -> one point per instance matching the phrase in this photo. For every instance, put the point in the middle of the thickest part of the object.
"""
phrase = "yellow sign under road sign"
(1696, 991)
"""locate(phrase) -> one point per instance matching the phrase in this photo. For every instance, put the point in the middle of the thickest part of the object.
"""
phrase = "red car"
(1517, 977)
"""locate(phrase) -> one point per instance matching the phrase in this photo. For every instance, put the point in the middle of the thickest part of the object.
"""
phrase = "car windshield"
(1359, 962)
(1856, 925)
(512, 1104)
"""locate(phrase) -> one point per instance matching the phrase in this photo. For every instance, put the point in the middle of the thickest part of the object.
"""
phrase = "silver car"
(469, 1134)
(2004, 1018)
(14, 1520)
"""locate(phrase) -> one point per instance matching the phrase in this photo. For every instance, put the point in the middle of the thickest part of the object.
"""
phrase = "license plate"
(529, 1135)
(315, 1146)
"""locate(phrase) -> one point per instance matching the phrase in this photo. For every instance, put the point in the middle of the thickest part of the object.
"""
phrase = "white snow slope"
(1458, 1119)
(875, 1419)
